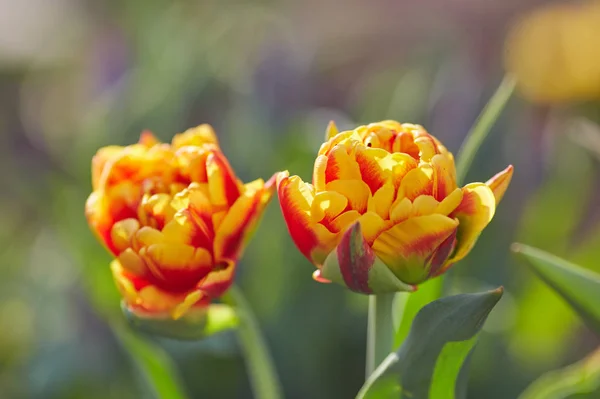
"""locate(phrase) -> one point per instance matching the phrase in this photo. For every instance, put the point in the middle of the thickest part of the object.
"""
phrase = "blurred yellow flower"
(553, 52)
(176, 218)
(383, 212)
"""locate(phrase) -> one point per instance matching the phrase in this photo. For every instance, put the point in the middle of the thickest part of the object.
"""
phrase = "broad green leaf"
(579, 378)
(154, 364)
(428, 364)
(578, 286)
(196, 324)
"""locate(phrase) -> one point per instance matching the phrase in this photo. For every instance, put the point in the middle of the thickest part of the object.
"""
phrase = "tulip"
(383, 212)
(175, 217)
(553, 52)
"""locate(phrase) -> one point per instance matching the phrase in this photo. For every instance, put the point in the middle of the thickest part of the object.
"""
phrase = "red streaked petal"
(219, 280)
(235, 227)
(374, 169)
(295, 199)
(475, 211)
(418, 181)
(407, 247)
(222, 183)
(355, 258)
(499, 183)
(444, 176)
(341, 165)
(178, 267)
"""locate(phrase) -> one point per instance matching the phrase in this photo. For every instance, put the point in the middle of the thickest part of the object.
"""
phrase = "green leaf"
(409, 304)
(196, 324)
(429, 362)
(579, 378)
(578, 286)
(154, 364)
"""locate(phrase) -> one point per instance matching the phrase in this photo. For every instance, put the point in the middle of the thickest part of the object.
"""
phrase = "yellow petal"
(372, 225)
(401, 210)
(418, 181)
(357, 192)
(407, 247)
(381, 202)
(132, 262)
(331, 131)
(499, 183)
(424, 205)
(195, 136)
(450, 203)
(444, 176)
(190, 300)
(319, 173)
(474, 213)
(342, 222)
(122, 233)
(327, 205)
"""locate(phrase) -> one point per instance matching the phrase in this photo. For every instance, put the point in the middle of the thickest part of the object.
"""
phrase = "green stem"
(482, 126)
(380, 330)
(261, 370)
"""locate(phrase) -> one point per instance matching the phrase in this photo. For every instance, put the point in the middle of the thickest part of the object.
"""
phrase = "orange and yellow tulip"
(383, 212)
(176, 218)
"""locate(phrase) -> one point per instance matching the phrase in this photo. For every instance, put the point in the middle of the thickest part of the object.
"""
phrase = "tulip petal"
(331, 130)
(355, 265)
(381, 201)
(357, 192)
(372, 225)
(222, 184)
(219, 280)
(427, 147)
(178, 267)
(195, 136)
(103, 157)
(418, 181)
(235, 227)
(424, 205)
(132, 262)
(499, 183)
(474, 213)
(327, 205)
(355, 258)
(139, 293)
(401, 209)
(404, 143)
(342, 222)
(341, 165)
(406, 247)
(295, 199)
(375, 166)
(450, 203)
(444, 176)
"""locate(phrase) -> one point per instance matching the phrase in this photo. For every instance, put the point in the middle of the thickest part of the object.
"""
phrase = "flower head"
(176, 218)
(553, 53)
(383, 212)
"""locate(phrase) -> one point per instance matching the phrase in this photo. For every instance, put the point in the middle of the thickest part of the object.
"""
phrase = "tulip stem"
(380, 330)
(482, 127)
(259, 364)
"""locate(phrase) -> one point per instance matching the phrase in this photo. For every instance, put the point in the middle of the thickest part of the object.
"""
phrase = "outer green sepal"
(196, 324)
(354, 264)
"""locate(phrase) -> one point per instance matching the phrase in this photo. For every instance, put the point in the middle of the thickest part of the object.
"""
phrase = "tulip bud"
(176, 218)
(383, 212)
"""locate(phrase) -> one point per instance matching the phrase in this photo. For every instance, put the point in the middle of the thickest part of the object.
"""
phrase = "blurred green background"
(76, 75)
